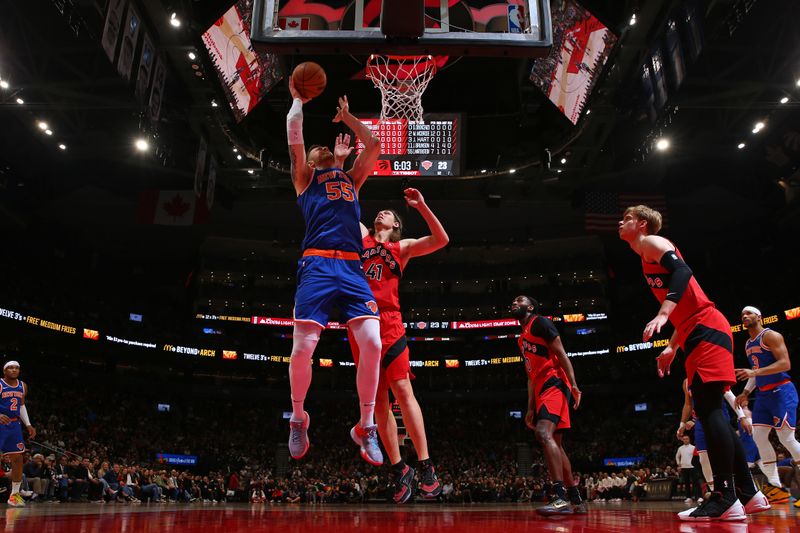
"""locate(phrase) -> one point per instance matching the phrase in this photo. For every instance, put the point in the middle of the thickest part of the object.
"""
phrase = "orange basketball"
(309, 79)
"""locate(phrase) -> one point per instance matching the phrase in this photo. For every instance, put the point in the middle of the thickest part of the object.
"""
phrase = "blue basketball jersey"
(11, 398)
(331, 211)
(760, 356)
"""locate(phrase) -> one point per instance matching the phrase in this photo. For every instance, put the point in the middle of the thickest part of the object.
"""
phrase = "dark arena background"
(151, 238)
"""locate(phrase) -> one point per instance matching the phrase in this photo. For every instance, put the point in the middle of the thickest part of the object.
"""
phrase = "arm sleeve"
(543, 327)
(731, 399)
(680, 275)
(750, 386)
(23, 415)
(294, 123)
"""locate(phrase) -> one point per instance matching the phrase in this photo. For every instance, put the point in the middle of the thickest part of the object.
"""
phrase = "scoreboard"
(409, 148)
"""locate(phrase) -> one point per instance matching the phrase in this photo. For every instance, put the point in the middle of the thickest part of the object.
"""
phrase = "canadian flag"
(294, 23)
(172, 208)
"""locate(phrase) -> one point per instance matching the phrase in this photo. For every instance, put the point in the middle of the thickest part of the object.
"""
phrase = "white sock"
(304, 340)
(15, 487)
(708, 474)
(787, 438)
(367, 335)
(767, 454)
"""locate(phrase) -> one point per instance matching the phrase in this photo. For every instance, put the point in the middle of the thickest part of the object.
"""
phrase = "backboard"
(513, 28)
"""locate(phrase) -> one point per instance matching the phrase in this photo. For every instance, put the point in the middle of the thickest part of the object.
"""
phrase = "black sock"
(399, 466)
(558, 488)
(574, 495)
(425, 464)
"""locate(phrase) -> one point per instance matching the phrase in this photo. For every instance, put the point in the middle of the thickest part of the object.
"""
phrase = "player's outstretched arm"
(365, 161)
(430, 243)
(300, 171)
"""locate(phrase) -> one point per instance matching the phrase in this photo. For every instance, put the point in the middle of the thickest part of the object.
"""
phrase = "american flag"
(603, 210)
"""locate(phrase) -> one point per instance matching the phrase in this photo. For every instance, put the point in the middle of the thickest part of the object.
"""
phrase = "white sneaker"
(757, 504)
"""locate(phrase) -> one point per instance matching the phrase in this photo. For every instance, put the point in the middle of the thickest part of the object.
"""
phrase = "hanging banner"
(111, 28)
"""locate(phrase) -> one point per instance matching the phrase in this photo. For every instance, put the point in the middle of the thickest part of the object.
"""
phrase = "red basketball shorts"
(707, 342)
(552, 399)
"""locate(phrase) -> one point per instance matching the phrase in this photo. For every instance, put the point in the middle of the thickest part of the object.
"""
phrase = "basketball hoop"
(402, 80)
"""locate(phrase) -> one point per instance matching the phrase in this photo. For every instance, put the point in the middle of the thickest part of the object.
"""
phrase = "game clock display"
(432, 148)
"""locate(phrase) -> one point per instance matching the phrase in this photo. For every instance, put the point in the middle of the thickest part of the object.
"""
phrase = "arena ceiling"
(750, 60)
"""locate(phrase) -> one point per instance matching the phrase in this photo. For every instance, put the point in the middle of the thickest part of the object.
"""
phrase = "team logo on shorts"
(21, 447)
(372, 306)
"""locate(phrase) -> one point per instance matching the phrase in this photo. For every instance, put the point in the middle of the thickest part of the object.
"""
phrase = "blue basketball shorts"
(11, 440)
(323, 282)
(776, 407)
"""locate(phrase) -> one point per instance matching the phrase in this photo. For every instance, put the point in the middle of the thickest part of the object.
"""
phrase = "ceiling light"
(563, 160)
(798, 82)
(588, 111)
(174, 20)
(48, 132)
(239, 157)
(42, 125)
(20, 101)
(142, 145)
(512, 170)
(251, 172)
(559, 171)
(740, 146)
(662, 144)
(483, 171)
(784, 99)
(214, 103)
(3, 84)
(62, 146)
(192, 56)
(633, 20)
(235, 150)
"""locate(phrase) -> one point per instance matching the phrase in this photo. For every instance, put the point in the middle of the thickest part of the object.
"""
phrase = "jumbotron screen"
(432, 148)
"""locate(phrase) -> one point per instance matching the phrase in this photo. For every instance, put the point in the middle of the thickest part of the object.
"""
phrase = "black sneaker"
(404, 484)
(715, 507)
(557, 506)
(429, 486)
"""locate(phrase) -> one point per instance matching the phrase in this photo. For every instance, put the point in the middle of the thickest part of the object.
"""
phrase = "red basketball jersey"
(383, 271)
(540, 363)
(693, 300)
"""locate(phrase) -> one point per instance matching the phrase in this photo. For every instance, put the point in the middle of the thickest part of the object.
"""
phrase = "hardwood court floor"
(258, 518)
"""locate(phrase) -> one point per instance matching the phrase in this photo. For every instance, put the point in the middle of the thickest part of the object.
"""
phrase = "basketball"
(309, 79)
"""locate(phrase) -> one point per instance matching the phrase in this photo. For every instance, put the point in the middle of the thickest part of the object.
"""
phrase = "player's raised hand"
(413, 197)
(664, 361)
(342, 148)
(342, 109)
(31, 432)
(530, 419)
(294, 92)
(576, 395)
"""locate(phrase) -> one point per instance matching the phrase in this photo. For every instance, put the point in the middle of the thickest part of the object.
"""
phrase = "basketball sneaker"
(298, 437)
(557, 506)
(716, 507)
(429, 486)
(757, 504)
(367, 439)
(15, 500)
(403, 486)
(776, 494)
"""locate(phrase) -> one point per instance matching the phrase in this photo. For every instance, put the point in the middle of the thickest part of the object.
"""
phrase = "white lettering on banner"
(501, 323)
(7, 313)
(346, 363)
(590, 352)
(255, 357)
(111, 338)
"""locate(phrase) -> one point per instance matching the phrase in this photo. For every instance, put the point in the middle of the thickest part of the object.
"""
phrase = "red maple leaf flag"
(172, 208)
(294, 23)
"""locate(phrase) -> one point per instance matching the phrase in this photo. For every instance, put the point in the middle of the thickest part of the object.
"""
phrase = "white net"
(402, 80)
